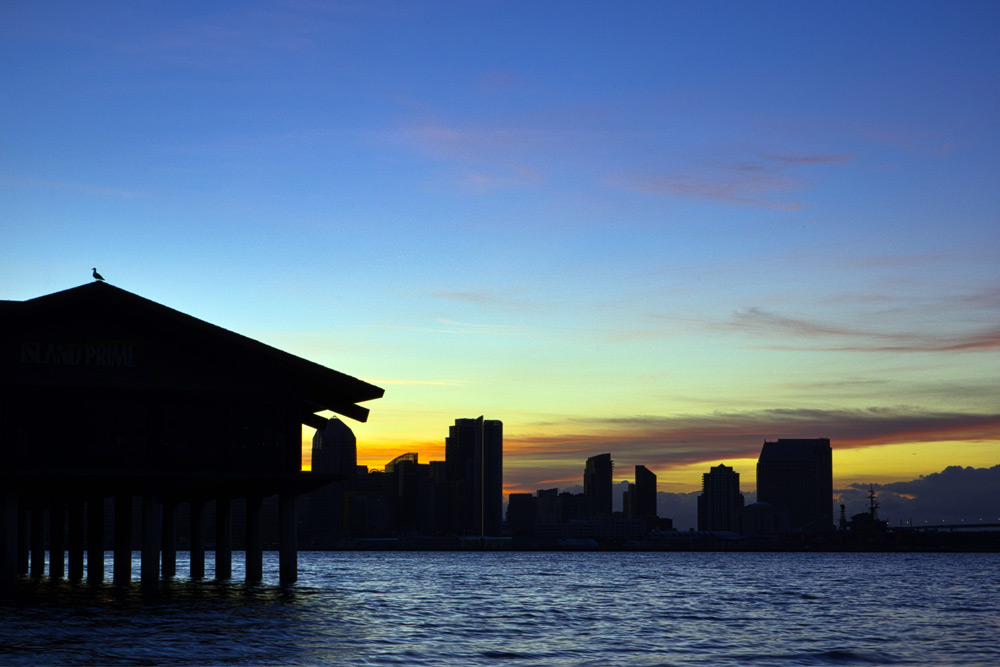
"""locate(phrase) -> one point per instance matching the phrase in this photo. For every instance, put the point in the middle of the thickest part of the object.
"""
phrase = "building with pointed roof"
(160, 405)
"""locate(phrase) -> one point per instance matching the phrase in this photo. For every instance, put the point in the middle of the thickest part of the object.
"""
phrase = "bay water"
(528, 608)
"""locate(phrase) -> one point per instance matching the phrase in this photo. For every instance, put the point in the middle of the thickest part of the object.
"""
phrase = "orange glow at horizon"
(529, 467)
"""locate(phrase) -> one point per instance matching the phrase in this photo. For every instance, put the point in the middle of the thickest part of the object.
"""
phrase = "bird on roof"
(97, 276)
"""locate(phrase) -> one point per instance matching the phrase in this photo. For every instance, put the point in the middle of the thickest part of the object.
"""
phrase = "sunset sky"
(665, 230)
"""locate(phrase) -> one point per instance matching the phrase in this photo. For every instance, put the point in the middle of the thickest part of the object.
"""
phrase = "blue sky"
(665, 230)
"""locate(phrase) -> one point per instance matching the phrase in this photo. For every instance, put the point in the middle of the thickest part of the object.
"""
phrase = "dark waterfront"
(451, 608)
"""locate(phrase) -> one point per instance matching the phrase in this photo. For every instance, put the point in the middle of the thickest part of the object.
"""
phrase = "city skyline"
(671, 233)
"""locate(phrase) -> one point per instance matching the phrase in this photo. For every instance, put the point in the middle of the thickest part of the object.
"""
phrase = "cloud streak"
(763, 323)
(761, 183)
(662, 442)
(93, 190)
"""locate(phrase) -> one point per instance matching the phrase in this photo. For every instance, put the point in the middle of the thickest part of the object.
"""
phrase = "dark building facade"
(720, 499)
(323, 512)
(597, 485)
(644, 506)
(335, 449)
(474, 469)
(158, 403)
(796, 475)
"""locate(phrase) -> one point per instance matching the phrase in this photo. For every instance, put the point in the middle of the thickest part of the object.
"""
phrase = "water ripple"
(662, 609)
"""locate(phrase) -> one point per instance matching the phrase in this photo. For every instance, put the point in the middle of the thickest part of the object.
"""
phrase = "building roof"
(793, 449)
(98, 306)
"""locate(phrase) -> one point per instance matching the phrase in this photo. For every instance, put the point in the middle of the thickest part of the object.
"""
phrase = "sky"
(664, 230)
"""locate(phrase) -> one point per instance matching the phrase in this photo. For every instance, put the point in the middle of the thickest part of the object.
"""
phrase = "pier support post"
(288, 555)
(152, 531)
(223, 538)
(8, 542)
(169, 539)
(76, 528)
(123, 539)
(23, 537)
(254, 541)
(57, 540)
(37, 541)
(95, 540)
(197, 538)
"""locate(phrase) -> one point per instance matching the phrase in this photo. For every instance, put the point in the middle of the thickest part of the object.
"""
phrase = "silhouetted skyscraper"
(474, 463)
(335, 449)
(645, 492)
(597, 485)
(797, 475)
(720, 498)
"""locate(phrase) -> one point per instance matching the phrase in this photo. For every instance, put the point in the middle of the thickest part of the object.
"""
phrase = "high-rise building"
(720, 499)
(645, 493)
(521, 510)
(334, 452)
(474, 465)
(797, 475)
(597, 485)
(335, 449)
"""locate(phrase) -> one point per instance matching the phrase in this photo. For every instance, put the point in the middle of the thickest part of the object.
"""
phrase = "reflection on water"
(530, 609)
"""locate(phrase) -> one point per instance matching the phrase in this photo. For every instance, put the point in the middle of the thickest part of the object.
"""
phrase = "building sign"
(96, 354)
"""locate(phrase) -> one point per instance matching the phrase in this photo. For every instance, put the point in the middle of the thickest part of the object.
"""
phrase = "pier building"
(107, 395)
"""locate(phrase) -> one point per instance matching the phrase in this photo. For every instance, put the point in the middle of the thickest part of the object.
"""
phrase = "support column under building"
(8, 542)
(169, 546)
(95, 540)
(76, 528)
(197, 538)
(57, 541)
(23, 537)
(223, 538)
(152, 532)
(37, 541)
(288, 555)
(123, 539)
(254, 541)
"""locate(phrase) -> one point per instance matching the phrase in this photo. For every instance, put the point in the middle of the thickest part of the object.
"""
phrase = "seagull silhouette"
(97, 276)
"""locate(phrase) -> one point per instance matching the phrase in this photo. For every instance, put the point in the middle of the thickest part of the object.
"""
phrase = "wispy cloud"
(501, 178)
(443, 325)
(489, 300)
(422, 383)
(465, 143)
(738, 185)
(761, 182)
(833, 158)
(763, 323)
(495, 81)
(486, 158)
(83, 188)
(670, 441)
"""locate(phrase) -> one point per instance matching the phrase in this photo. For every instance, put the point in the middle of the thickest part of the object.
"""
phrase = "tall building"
(597, 485)
(474, 467)
(720, 499)
(335, 449)
(335, 452)
(645, 493)
(797, 475)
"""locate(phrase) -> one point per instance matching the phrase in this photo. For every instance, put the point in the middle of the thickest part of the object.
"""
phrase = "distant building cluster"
(462, 495)
(551, 515)
(794, 492)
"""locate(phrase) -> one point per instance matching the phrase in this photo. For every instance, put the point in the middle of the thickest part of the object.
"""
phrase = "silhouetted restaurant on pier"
(107, 395)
